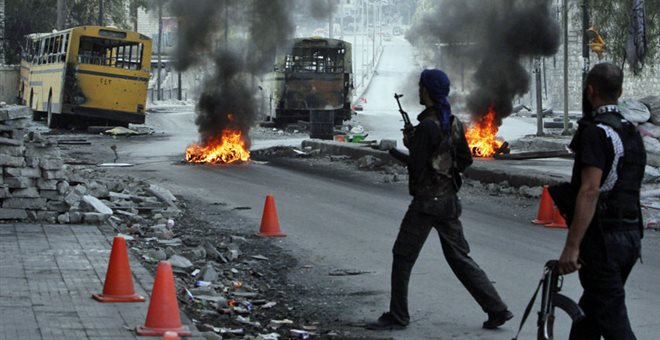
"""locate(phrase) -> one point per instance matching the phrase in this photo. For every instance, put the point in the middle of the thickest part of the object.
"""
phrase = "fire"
(481, 135)
(228, 148)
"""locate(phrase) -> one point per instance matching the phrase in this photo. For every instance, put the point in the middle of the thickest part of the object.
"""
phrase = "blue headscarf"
(437, 84)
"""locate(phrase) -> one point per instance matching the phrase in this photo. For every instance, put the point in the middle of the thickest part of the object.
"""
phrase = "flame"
(481, 135)
(228, 148)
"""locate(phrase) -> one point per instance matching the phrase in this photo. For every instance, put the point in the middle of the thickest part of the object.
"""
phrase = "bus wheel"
(51, 119)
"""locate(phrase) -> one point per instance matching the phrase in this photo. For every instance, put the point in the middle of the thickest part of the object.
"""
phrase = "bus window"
(110, 52)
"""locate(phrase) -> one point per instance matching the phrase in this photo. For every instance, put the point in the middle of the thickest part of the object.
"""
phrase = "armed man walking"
(438, 154)
(604, 239)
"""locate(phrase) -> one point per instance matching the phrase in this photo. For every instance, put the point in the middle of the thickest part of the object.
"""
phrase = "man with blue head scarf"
(438, 154)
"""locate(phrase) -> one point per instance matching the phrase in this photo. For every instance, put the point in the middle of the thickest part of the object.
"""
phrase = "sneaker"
(386, 322)
(497, 319)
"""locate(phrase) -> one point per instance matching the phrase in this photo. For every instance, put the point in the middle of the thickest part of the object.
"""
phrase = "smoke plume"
(495, 36)
(320, 9)
(258, 28)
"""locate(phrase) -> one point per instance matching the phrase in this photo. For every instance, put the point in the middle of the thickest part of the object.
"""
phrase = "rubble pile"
(33, 185)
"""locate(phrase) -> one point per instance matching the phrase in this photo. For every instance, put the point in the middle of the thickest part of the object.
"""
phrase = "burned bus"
(314, 78)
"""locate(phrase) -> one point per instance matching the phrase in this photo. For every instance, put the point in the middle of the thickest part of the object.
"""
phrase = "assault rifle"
(550, 298)
(406, 119)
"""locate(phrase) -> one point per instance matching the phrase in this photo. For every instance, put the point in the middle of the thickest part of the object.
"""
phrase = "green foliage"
(612, 20)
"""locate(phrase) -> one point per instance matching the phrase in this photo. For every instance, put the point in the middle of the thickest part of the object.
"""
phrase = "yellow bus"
(88, 75)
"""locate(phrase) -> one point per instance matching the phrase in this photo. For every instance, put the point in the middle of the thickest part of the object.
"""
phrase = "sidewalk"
(48, 274)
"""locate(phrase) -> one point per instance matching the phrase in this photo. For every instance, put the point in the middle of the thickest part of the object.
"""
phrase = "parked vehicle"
(316, 75)
(88, 75)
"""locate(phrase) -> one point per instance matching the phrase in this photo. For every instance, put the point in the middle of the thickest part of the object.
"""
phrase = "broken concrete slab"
(22, 172)
(26, 193)
(162, 193)
(12, 214)
(179, 261)
(10, 141)
(53, 174)
(47, 184)
(16, 151)
(12, 161)
(96, 205)
(19, 182)
(25, 203)
(51, 163)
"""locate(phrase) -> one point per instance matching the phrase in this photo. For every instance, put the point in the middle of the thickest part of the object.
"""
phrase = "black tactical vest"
(619, 207)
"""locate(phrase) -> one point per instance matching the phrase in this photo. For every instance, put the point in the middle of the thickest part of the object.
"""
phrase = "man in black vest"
(604, 239)
(438, 153)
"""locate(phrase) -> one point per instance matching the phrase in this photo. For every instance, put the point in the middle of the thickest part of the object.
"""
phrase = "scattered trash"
(122, 131)
(348, 272)
(269, 305)
(275, 324)
(271, 336)
(126, 237)
(195, 272)
(300, 334)
(260, 257)
(202, 283)
(114, 165)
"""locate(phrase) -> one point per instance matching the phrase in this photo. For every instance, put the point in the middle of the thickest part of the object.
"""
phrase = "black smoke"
(258, 30)
(495, 36)
(321, 9)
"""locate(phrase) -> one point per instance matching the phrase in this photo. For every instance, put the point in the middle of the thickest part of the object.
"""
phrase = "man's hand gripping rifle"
(408, 130)
(407, 125)
(550, 298)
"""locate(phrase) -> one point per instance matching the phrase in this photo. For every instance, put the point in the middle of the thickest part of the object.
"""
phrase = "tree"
(23, 17)
(612, 19)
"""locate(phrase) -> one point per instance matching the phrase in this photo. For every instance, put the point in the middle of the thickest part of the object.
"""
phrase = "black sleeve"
(595, 149)
(421, 147)
(463, 155)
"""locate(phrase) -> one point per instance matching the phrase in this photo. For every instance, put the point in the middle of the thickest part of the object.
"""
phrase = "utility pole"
(2, 32)
(61, 14)
(101, 13)
(585, 39)
(565, 19)
(331, 28)
(539, 98)
(160, 42)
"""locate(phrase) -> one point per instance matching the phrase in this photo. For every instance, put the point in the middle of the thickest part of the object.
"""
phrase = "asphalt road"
(337, 221)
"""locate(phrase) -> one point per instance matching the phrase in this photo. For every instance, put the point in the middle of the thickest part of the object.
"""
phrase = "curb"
(483, 170)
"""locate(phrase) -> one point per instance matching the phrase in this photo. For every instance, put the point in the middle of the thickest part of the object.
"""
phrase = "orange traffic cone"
(558, 220)
(163, 315)
(270, 226)
(118, 285)
(170, 336)
(544, 215)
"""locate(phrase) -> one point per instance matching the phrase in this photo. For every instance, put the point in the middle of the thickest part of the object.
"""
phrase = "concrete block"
(13, 214)
(4, 192)
(10, 141)
(63, 218)
(25, 193)
(25, 203)
(163, 194)
(62, 187)
(23, 172)
(12, 161)
(53, 174)
(58, 206)
(42, 152)
(75, 217)
(18, 123)
(96, 205)
(19, 182)
(75, 195)
(47, 184)
(13, 112)
(51, 163)
(94, 218)
(32, 162)
(47, 216)
(51, 195)
(11, 150)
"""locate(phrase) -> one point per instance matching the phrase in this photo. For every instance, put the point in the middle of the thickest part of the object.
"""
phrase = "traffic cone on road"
(163, 315)
(558, 220)
(270, 226)
(544, 215)
(118, 285)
